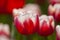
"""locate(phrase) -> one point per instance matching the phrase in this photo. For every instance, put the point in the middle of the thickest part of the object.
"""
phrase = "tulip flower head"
(26, 23)
(4, 32)
(46, 25)
(58, 32)
(55, 11)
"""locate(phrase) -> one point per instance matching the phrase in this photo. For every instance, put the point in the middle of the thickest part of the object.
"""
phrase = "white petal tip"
(57, 27)
(6, 29)
(43, 16)
(51, 17)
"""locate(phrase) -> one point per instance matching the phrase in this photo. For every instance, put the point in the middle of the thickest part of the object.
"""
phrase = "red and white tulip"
(54, 10)
(46, 25)
(26, 23)
(58, 32)
(4, 32)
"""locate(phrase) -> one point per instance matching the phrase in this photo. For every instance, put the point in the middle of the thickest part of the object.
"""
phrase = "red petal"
(29, 26)
(57, 18)
(19, 26)
(44, 30)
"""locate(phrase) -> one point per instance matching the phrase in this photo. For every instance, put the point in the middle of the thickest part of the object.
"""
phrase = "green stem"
(12, 32)
(23, 37)
(29, 37)
(45, 38)
(26, 37)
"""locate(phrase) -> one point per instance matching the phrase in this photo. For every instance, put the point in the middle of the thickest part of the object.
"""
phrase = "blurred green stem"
(12, 32)
(45, 38)
(26, 37)
(29, 37)
(23, 37)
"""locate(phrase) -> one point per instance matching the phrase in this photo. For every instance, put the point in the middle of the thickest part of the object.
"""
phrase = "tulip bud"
(58, 32)
(55, 11)
(4, 32)
(46, 25)
(26, 23)
(32, 8)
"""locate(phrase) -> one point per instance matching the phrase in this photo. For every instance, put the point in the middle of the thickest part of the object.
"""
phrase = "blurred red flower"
(54, 10)
(46, 25)
(14, 4)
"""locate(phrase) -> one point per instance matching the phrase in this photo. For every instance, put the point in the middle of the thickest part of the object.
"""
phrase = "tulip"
(54, 1)
(32, 8)
(4, 32)
(46, 25)
(58, 32)
(26, 23)
(55, 11)
(14, 4)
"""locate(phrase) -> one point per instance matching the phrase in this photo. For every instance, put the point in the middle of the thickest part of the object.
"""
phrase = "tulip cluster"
(54, 10)
(28, 21)
(4, 32)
